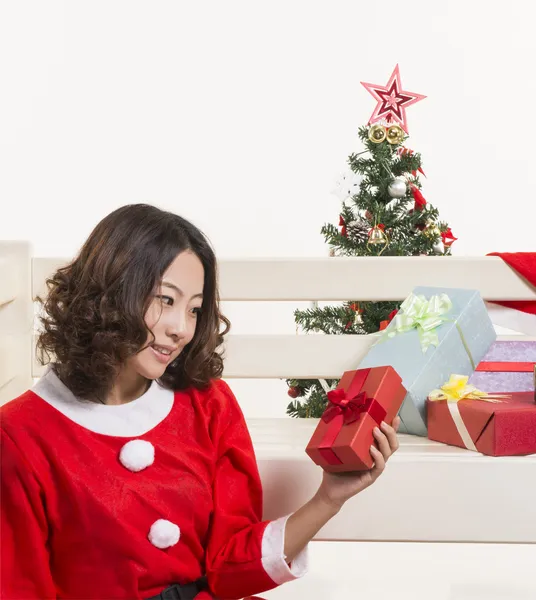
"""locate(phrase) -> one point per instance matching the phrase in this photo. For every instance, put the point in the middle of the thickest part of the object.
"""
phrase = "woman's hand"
(333, 492)
(337, 488)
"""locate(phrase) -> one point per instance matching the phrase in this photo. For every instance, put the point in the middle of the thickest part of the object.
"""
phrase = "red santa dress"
(115, 502)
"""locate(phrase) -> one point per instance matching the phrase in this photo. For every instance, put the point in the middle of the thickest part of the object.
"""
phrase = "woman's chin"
(152, 371)
(148, 369)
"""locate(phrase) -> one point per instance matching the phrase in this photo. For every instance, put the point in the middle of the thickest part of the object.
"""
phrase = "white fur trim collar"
(124, 420)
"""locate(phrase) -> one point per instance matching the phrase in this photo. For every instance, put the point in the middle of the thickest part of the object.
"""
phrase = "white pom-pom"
(137, 455)
(164, 534)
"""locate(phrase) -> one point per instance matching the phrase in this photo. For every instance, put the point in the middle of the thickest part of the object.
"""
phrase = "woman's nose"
(177, 326)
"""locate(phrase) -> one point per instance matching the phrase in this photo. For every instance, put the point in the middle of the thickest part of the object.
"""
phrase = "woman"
(128, 470)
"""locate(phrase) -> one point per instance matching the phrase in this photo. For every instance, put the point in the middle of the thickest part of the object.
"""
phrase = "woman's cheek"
(152, 316)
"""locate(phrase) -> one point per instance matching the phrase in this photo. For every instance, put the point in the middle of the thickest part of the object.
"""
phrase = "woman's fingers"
(379, 462)
(390, 433)
(387, 441)
(383, 443)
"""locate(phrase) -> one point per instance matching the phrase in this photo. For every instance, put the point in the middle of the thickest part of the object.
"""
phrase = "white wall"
(239, 115)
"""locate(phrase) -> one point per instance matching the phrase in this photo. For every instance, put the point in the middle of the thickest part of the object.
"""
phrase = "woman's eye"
(196, 310)
(166, 300)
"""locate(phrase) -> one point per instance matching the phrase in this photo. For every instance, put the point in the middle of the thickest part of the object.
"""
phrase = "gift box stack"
(493, 411)
(439, 366)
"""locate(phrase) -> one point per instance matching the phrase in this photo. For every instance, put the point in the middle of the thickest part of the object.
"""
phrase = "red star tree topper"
(392, 101)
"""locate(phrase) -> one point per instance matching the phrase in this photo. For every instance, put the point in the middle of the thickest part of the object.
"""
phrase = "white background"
(239, 115)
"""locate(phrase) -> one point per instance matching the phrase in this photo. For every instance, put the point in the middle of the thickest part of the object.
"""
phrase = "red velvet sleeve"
(25, 572)
(244, 554)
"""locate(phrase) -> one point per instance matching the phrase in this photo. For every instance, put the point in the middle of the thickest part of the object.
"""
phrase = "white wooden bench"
(441, 523)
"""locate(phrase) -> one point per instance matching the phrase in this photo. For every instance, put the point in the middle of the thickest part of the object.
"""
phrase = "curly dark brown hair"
(93, 314)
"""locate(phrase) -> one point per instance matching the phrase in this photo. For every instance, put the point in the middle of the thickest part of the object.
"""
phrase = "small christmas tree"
(384, 213)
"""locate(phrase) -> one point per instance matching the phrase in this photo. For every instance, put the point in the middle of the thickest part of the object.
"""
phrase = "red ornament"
(448, 237)
(420, 202)
(392, 100)
(402, 151)
(294, 391)
(383, 324)
(343, 225)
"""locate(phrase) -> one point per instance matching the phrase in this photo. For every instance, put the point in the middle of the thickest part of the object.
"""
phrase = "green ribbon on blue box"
(424, 315)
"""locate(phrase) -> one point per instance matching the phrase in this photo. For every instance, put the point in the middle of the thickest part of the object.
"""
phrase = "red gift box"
(504, 428)
(362, 400)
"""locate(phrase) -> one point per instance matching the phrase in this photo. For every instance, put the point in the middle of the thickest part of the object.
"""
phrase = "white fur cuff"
(273, 558)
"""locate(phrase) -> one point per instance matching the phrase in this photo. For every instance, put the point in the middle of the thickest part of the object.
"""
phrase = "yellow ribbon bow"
(456, 389)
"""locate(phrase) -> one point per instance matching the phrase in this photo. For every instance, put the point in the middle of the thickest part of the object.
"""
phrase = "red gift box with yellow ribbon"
(362, 400)
(494, 424)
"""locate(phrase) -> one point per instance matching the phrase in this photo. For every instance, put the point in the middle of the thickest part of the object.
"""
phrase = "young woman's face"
(172, 315)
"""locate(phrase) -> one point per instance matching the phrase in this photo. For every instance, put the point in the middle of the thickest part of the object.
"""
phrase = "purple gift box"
(517, 376)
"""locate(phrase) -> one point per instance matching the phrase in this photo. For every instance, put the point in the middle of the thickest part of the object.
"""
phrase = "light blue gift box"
(422, 372)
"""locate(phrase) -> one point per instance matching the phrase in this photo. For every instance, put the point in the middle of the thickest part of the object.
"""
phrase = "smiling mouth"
(162, 350)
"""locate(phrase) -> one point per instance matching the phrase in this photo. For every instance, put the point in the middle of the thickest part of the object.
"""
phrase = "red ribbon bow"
(448, 237)
(345, 407)
(341, 404)
(351, 408)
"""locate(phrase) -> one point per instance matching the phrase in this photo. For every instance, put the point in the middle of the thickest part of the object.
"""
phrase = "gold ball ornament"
(377, 134)
(395, 134)
(432, 230)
